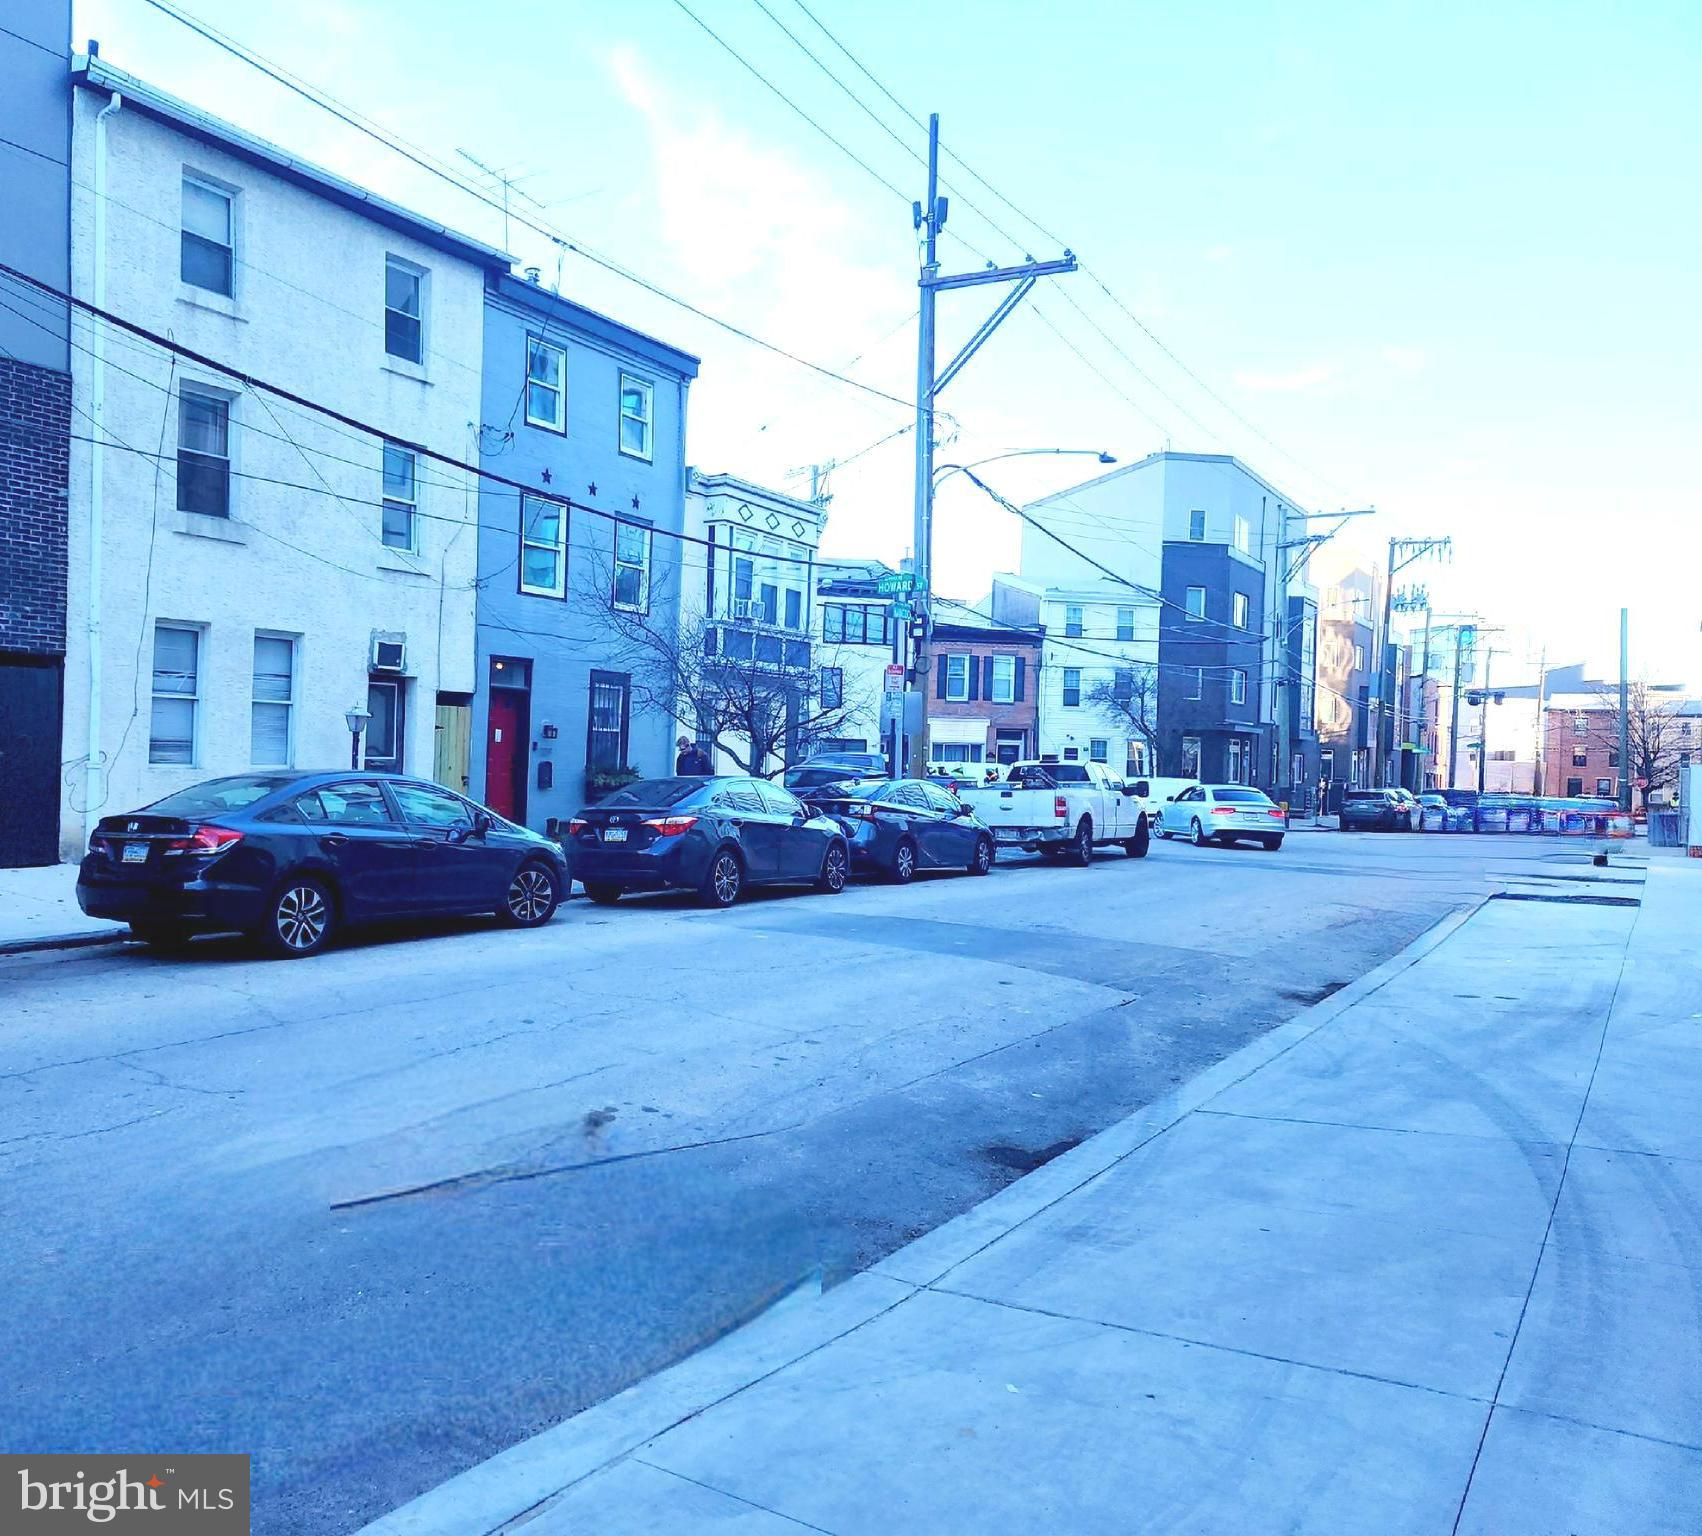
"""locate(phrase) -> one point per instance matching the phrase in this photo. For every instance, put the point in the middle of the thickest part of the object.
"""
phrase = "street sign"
(892, 708)
(902, 610)
(894, 678)
(894, 582)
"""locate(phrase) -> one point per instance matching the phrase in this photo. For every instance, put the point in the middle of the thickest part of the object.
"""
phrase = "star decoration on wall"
(546, 474)
(591, 489)
(634, 503)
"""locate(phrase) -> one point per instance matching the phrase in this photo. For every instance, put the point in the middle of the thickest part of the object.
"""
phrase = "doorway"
(29, 759)
(453, 740)
(387, 730)
(508, 734)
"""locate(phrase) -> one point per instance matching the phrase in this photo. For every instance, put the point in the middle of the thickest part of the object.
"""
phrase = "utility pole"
(929, 218)
(1483, 718)
(1625, 712)
(1537, 784)
(1454, 714)
(1402, 553)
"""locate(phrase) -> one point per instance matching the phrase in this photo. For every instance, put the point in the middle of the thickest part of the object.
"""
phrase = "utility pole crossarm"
(1001, 274)
(983, 333)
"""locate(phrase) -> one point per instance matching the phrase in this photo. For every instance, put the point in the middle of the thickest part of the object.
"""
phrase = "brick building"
(983, 694)
(1580, 751)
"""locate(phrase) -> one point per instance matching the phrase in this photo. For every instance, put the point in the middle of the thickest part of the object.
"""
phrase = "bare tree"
(1129, 699)
(1652, 735)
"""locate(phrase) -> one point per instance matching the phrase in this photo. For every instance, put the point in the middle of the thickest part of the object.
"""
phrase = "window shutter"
(974, 671)
(940, 684)
(1017, 691)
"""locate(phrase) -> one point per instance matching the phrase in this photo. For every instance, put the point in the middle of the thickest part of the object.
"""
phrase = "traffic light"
(1474, 697)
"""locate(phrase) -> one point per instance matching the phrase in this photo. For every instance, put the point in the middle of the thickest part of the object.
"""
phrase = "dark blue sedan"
(714, 836)
(901, 826)
(291, 857)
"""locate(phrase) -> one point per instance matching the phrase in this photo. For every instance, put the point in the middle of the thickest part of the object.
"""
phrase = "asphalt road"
(376, 1216)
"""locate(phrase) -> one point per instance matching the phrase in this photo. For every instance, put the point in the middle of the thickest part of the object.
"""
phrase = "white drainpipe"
(94, 779)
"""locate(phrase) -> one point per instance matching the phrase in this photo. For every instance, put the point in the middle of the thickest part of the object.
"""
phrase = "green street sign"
(902, 610)
(895, 582)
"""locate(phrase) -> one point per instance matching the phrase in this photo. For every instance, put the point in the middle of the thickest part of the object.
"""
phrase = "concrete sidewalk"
(1427, 1259)
(38, 910)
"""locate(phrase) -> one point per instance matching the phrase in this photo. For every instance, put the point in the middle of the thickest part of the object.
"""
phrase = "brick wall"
(35, 417)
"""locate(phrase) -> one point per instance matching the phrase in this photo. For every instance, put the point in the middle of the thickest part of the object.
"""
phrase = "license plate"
(1006, 835)
(614, 834)
(135, 853)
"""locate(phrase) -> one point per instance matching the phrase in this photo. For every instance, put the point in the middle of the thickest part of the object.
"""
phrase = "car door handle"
(334, 839)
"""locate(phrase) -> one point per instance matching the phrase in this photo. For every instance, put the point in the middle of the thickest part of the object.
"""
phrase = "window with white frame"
(1072, 687)
(176, 693)
(271, 736)
(1237, 686)
(1243, 535)
(207, 257)
(401, 497)
(1238, 609)
(1190, 757)
(832, 687)
(203, 452)
(632, 567)
(543, 546)
(1098, 749)
(1196, 604)
(404, 310)
(1196, 682)
(1197, 525)
(957, 679)
(638, 398)
(546, 385)
(1125, 623)
(1072, 620)
(1001, 679)
(1359, 658)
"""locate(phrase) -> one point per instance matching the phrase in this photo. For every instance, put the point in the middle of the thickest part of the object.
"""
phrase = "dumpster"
(1491, 815)
(1519, 813)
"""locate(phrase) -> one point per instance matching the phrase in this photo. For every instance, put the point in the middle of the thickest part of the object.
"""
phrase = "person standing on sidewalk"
(692, 761)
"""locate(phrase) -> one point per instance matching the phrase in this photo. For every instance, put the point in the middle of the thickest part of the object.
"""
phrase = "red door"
(505, 754)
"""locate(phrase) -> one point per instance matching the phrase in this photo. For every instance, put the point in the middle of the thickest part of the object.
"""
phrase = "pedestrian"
(691, 761)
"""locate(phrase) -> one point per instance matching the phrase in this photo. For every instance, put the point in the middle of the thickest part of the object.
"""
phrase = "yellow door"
(453, 745)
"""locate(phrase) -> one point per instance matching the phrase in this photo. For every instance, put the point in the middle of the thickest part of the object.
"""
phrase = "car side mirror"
(1129, 791)
(482, 823)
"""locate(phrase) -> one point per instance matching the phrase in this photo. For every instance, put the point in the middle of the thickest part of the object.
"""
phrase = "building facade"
(593, 415)
(1211, 671)
(35, 422)
(983, 693)
(251, 572)
(854, 633)
(1344, 691)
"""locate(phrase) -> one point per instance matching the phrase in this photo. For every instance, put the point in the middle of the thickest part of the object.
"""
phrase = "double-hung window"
(606, 722)
(1197, 525)
(1072, 687)
(632, 567)
(203, 453)
(546, 385)
(1001, 679)
(207, 258)
(177, 693)
(1238, 608)
(270, 737)
(957, 679)
(832, 687)
(1243, 539)
(1237, 686)
(1196, 682)
(543, 547)
(794, 608)
(1098, 749)
(404, 310)
(1072, 621)
(1125, 623)
(1196, 604)
(638, 397)
(401, 497)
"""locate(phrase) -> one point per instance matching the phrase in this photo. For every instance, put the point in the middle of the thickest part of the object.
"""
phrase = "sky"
(1437, 259)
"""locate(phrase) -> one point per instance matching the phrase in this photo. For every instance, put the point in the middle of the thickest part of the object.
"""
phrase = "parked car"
(1224, 813)
(715, 836)
(901, 826)
(1063, 809)
(834, 768)
(1377, 810)
(291, 857)
(1432, 813)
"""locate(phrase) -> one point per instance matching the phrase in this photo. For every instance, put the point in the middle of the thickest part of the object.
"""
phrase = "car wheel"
(161, 936)
(1197, 834)
(604, 895)
(1270, 844)
(835, 868)
(300, 921)
(532, 897)
(1081, 847)
(981, 863)
(1136, 847)
(723, 880)
(904, 862)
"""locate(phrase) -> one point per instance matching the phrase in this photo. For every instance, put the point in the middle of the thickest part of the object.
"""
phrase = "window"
(1237, 686)
(1072, 620)
(543, 547)
(770, 602)
(853, 624)
(794, 608)
(1071, 754)
(742, 573)
(1197, 525)
(356, 802)
(605, 736)
(546, 385)
(1125, 623)
(1580, 757)
(203, 453)
(401, 497)
(1001, 679)
(637, 399)
(1098, 750)
(1574, 787)
(1359, 658)
(1238, 607)
(429, 806)
(404, 310)
(632, 567)
(1613, 757)
(832, 687)
(177, 693)
(1683, 727)
(1243, 541)
(269, 717)
(1190, 757)
(1196, 682)
(1604, 786)
(1072, 687)
(1196, 604)
(208, 255)
(957, 678)
(1580, 724)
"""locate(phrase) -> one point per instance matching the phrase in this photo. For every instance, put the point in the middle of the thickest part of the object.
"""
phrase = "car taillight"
(1276, 811)
(575, 827)
(1223, 810)
(670, 826)
(1060, 807)
(204, 840)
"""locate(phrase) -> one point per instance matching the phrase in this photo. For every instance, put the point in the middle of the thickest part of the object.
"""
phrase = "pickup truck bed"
(1062, 808)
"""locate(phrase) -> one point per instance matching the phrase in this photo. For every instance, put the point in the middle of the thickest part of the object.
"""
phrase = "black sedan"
(834, 768)
(901, 826)
(713, 836)
(291, 857)
(1376, 810)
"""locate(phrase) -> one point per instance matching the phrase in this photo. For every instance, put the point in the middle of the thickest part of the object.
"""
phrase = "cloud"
(1405, 359)
(1295, 382)
(1219, 252)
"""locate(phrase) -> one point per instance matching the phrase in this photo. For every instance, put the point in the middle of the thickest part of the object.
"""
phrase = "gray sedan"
(1223, 813)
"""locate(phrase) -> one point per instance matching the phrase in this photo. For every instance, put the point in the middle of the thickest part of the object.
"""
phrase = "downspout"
(94, 776)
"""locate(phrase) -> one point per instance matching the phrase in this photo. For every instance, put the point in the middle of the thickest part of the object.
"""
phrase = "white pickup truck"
(1064, 809)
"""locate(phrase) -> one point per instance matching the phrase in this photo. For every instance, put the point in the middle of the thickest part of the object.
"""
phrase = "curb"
(514, 1485)
(85, 940)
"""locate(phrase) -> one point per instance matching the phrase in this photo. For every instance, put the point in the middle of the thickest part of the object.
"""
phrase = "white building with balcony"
(246, 570)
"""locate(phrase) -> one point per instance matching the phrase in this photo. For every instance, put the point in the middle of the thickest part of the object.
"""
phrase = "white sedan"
(1223, 813)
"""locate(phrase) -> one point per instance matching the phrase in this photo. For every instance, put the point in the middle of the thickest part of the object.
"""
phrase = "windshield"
(217, 795)
(651, 794)
(1242, 796)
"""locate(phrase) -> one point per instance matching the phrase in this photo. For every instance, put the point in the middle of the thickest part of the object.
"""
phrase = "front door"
(451, 746)
(29, 763)
(505, 753)
(386, 731)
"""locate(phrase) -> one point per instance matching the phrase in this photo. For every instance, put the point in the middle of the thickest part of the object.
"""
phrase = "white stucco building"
(244, 570)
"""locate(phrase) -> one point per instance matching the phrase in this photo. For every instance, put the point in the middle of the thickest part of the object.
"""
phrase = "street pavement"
(376, 1217)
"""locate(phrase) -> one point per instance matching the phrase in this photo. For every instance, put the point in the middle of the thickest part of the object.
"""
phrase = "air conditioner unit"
(750, 608)
(389, 656)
